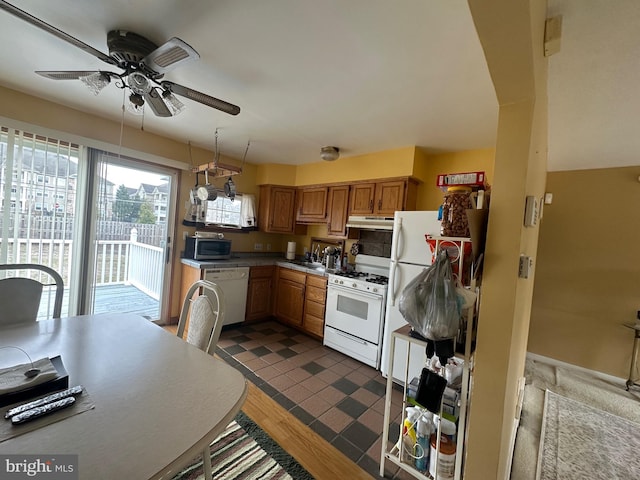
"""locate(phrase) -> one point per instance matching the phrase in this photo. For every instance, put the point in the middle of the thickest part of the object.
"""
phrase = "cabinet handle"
(328, 226)
(380, 204)
(370, 204)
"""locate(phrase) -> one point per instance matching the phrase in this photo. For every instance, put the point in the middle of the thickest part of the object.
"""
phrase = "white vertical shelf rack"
(395, 455)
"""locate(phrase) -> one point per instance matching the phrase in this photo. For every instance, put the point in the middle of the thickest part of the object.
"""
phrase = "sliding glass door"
(130, 236)
(100, 220)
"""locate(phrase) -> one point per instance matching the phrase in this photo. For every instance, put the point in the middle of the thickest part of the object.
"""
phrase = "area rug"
(245, 452)
(581, 442)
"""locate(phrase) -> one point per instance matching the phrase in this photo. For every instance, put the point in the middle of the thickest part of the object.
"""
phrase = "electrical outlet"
(257, 246)
(268, 247)
(185, 234)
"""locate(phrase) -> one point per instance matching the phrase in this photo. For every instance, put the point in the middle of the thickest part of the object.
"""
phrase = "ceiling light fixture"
(96, 81)
(329, 154)
(136, 104)
(172, 102)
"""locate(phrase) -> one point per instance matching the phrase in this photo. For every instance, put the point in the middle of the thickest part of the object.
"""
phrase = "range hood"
(370, 223)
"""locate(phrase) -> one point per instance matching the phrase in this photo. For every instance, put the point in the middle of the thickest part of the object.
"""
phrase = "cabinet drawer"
(317, 281)
(261, 271)
(313, 308)
(314, 325)
(293, 275)
(316, 294)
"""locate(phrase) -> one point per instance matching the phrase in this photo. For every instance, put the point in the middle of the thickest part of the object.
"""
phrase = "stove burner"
(352, 274)
(379, 279)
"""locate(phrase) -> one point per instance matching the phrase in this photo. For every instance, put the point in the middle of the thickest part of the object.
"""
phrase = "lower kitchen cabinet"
(300, 300)
(314, 305)
(290, 296)
(260, 292)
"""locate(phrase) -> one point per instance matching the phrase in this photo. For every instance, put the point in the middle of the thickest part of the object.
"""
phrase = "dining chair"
(204, 315)
(20, 296)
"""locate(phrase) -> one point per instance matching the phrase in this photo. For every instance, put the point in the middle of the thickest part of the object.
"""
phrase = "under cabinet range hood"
(370, 223)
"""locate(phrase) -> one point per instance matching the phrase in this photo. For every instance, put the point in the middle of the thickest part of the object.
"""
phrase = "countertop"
(256, 261)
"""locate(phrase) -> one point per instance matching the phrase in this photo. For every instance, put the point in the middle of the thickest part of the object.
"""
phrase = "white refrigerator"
(410, 254)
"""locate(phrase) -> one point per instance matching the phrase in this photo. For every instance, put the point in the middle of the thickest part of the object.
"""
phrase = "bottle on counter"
(424, 430)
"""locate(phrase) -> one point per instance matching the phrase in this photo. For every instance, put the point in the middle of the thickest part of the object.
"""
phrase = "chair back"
(204, 314)
(20, 296)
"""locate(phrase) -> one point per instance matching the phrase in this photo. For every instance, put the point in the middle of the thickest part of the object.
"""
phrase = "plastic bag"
(466, 297)
(430, 301)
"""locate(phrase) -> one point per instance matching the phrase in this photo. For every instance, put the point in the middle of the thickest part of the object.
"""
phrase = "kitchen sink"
(311, 265)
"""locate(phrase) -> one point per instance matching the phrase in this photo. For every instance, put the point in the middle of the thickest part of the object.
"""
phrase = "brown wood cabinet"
(314, 305)
(312, 204)
(300, 300)
(383, 198)
(290, 291)
(276, 209)
(190, 275)
(260, 293)
(337, 211)
(362, 196)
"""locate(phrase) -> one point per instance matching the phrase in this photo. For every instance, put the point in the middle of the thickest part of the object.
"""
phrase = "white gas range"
(355, 309)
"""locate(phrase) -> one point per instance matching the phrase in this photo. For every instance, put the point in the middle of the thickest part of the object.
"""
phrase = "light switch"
(531, 211)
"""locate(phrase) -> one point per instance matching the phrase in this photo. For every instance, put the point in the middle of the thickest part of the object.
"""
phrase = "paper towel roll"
(291, 250)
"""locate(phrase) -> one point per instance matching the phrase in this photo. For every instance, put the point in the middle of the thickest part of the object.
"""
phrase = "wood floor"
(320, 458)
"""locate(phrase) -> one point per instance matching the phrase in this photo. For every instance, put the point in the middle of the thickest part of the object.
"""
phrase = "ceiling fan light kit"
(144, 65)
(329, 154)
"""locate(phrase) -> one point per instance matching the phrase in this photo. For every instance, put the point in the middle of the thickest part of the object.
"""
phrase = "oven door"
(357, 313)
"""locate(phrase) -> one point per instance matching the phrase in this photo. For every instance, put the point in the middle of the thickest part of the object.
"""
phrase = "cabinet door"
(338, 202)
(290, 301)
(312, 204)
(280, 209)
(259, 294)
(389, 197)
(362, 195)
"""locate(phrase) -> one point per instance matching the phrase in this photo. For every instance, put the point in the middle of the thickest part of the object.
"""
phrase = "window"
(223, 211)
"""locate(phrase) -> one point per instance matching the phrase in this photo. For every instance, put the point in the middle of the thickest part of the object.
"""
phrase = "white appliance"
(355, 307)
(410, 254)
(370, 223)
(234, 283)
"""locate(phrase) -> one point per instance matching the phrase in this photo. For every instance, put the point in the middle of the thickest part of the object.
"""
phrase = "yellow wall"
(428, 167)
(588, 275)
(511, 34)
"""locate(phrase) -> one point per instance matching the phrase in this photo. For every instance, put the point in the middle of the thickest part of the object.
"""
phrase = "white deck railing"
(117, 261)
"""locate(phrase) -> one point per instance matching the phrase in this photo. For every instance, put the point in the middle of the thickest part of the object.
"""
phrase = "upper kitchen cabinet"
(337, 211)
(312, 204)
(276, 210)
(383, 198)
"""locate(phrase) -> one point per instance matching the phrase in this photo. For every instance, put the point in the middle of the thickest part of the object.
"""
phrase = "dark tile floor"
(339, 398)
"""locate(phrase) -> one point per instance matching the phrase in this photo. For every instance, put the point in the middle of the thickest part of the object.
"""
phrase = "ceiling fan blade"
(7, 7)
(66, 74)
(155, 101)
(171, 54)
(203, 98)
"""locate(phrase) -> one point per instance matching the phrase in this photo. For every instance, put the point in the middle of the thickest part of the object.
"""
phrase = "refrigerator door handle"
(392, 283)
(397, 226)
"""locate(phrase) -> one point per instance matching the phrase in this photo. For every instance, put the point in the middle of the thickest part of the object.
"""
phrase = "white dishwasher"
(234, 282)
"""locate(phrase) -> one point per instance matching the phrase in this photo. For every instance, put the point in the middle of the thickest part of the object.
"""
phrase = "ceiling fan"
(143, 63)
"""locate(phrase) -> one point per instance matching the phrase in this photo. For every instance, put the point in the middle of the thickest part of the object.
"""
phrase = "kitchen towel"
(248, 211)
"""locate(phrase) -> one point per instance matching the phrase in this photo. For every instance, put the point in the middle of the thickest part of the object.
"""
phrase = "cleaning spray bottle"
(409, 432)
(424, 429)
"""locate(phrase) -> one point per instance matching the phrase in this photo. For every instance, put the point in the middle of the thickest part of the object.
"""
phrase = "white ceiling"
(362, 75)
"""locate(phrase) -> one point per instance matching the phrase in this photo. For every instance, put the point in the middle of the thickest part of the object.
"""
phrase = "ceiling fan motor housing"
(128, 47)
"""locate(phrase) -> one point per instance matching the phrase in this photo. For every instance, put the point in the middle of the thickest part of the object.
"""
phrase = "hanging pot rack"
(216, 169)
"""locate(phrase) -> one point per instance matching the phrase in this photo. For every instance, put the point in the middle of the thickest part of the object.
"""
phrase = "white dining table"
(158, 400)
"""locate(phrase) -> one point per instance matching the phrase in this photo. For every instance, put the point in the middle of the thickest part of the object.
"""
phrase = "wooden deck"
(125, 299)
(112, 298)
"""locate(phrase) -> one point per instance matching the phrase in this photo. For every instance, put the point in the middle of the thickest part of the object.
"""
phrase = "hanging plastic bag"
(430, 301)
(466, 297)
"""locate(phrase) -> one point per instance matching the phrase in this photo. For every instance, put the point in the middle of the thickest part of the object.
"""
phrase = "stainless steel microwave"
(199, 248)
